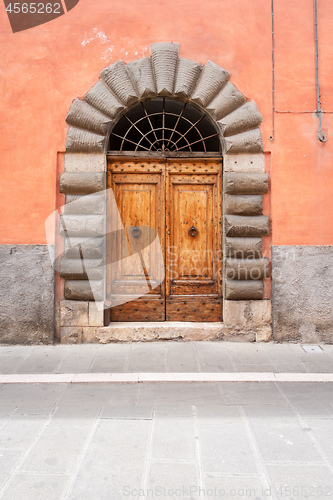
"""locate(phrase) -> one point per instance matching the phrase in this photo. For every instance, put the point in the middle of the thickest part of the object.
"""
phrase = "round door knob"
(136, 231)
(193, 231)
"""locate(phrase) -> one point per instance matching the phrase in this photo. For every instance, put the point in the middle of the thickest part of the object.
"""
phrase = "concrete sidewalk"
(216, 440)
(167, 357)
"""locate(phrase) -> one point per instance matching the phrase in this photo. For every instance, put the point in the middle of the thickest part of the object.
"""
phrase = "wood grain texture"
(170, 196)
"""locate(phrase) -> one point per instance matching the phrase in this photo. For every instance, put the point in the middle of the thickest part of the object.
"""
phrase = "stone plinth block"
(73, 313)
(245, 313)
(251, 316)
(71, 334)
(96, 314)
(264, 334)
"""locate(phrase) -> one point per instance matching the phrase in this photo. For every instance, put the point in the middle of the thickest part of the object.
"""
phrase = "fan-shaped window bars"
(165, 126)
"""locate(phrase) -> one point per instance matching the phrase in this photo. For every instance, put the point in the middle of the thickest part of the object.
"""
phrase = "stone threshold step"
(85, 378)
(163, 330)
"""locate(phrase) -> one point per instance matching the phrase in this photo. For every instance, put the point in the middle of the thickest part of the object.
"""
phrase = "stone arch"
(91, 120)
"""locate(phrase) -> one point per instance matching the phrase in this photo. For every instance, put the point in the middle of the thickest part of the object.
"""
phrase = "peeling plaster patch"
(101, 37)
(97, 35)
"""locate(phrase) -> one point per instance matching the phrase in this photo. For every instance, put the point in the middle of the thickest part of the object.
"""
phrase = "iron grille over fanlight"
(164, 125)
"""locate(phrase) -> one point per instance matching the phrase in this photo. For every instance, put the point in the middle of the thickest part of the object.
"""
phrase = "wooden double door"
(166, 256)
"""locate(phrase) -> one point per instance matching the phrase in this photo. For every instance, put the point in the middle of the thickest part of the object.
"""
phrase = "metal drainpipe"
(272, 137)
(321, 135)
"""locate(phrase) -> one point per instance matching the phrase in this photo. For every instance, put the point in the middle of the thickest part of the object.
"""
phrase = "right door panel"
(194, 241)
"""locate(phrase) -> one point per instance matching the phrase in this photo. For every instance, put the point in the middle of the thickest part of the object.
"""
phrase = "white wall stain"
(102, 38)
(98, 36)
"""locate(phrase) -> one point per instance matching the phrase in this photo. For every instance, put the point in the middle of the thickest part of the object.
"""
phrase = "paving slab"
(174, 410)
(179, 393)
(251, 393)
(9, 459)
(236, 487)
(173, 439)
(322, 430)
(82, 414)
(284, 357)
(216, 413)
(35, 487)
(280, 435)
(5, 412)
(172, 480)
(213, 357)
(78, 358)
(114, 460)
(41, 395)
(43, 359)
(300, 481)
(19, 431)
(242, 354)
(56, 450)
(111, 358)
(150, 357)
(128, 412)
(313, 400)
(226, 449)
(181, 357)
(99, 394)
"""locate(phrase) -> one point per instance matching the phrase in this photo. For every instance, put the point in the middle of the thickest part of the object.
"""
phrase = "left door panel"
(135, 290)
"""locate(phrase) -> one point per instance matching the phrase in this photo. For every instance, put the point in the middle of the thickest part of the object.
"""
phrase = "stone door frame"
(246, 313)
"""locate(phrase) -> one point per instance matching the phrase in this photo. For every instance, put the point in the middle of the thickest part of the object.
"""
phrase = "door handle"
(136, 231)
(168, 232)
(193, 231)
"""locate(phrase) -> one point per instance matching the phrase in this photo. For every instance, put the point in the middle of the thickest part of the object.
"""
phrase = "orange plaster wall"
(43, 69)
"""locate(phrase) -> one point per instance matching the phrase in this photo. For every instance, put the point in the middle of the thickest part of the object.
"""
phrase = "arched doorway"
(165, 168)
(112, 111)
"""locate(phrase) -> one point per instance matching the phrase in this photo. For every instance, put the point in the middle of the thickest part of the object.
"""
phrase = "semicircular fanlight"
(164, 125)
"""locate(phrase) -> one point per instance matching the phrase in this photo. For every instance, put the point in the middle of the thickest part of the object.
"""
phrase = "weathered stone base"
(26, 295)
(247, 320)
(143, 332)
(148, 332)
(302, 293)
